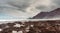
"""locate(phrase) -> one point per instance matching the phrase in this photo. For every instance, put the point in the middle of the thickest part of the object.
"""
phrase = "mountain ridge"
(48, 14)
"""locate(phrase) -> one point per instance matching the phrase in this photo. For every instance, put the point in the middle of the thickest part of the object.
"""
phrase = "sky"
(26, 8)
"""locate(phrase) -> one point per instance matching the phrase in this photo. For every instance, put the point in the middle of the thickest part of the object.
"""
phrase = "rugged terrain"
(31, 27)
(48, 15)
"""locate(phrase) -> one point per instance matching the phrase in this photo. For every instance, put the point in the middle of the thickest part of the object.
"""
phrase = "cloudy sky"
(26, 8)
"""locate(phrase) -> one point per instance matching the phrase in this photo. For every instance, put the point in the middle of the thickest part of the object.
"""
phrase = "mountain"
(46, 15)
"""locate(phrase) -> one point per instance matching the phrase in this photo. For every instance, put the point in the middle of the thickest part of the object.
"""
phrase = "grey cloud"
(21, 5)
(52, 5)
(57, 2)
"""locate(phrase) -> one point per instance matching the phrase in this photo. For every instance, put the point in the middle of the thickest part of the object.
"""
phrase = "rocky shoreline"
(31, 27)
